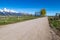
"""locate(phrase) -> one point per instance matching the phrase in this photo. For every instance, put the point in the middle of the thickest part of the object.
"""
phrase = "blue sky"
(30, 6)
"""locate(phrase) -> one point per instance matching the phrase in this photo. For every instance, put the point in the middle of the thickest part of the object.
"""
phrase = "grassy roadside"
(54, 23)
(55, 26)
(13, 19)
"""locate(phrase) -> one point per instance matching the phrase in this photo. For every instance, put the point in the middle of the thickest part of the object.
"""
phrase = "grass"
(55, 23)
(12, 19)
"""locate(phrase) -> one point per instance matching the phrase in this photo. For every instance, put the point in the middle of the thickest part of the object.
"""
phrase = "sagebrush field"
(13, 19)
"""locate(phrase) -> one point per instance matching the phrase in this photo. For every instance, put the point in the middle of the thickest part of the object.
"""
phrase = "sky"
(32, 6)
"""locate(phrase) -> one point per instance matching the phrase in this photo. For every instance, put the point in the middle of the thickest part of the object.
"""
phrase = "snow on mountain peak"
(7, 10)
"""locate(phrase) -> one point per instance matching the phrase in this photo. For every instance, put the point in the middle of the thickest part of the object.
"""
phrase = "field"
(12, 19)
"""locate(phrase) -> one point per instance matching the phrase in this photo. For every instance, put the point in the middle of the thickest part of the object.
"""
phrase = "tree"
(43, 12)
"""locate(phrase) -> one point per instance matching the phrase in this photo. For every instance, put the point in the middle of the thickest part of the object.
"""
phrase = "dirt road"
(37, 29)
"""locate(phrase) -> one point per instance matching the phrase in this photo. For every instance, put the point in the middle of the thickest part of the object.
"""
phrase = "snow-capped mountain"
(6, 10)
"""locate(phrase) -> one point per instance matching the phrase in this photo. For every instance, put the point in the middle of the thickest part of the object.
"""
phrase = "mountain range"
(7, 12)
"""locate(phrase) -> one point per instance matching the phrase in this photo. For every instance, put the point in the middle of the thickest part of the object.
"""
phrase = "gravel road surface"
(36, 29)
